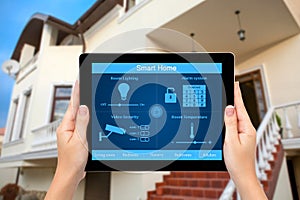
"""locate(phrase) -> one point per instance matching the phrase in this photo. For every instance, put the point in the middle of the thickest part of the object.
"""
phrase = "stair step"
(272, 164)
(172, 197)
(222, 175)
(269, 174)
(265, 184)
(191, 191)
(197, 182)
(278, 147)
(151, 193)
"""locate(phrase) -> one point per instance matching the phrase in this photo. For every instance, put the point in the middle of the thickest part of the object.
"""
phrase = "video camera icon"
(111, 129)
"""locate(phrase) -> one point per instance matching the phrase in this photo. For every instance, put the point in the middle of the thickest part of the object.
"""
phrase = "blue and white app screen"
(157, 111)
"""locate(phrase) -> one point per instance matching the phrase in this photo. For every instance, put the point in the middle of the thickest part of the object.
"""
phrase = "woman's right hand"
(240, 149)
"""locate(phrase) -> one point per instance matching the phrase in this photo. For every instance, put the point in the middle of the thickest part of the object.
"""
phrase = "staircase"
(209, 185)
(272, 174)
(218, 185)
(190, 186)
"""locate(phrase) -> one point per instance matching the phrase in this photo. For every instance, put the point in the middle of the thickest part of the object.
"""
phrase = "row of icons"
(143, 135)
(193, 95)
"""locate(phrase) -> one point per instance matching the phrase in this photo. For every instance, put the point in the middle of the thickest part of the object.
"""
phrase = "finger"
(75, 99)
(82, 121)
(241, 112)
(230, 120)
(68, 122)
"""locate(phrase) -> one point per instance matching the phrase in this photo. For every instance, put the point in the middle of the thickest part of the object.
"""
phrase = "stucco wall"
(283, 187)
(40, 179)
(117, 21)
(7, 175)
(281, 66)
(133, 186)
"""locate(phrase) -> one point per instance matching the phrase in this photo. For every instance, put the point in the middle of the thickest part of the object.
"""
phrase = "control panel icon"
(170, 97)
(111, 129)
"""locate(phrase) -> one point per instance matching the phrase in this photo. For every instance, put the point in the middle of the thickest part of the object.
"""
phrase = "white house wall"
(59, 65)
(20, 146)
(7, 175)
(152, 14)
(283, 189)
(281, 65)
(39, 179)
(133, 185)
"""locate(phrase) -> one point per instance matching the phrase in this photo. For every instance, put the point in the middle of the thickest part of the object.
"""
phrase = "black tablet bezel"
(86, 60)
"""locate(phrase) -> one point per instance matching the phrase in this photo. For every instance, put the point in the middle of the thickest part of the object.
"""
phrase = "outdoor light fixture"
(241, 32)
(193, 45)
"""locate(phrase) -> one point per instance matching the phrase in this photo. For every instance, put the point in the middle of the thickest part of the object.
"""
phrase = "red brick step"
(173, 197)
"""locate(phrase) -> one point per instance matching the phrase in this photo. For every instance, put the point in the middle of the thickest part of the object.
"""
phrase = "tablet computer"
(156, 111)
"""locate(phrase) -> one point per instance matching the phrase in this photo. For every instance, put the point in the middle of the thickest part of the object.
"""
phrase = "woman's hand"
(72, 150)
(240, 149)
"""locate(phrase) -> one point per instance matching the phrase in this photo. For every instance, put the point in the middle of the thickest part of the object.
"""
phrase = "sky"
(14, 15)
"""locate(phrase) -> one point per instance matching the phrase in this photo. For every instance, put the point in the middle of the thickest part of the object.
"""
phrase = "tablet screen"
(156, 111)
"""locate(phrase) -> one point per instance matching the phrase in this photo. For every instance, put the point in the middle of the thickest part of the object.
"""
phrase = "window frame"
(27, 95)
(56, 98)
(15, 105)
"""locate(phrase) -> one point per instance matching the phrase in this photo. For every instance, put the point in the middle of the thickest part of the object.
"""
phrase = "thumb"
(230, 119)
(82, 120)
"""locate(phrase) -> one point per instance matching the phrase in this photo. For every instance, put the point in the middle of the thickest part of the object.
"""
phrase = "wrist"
(246, 180)
(70, 176)
(250, 188)
(64, 184)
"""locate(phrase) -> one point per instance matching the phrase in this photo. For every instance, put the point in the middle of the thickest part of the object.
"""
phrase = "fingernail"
(229, 111)
(82, 110)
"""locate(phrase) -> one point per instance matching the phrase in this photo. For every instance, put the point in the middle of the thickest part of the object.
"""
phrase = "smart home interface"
(156, 111)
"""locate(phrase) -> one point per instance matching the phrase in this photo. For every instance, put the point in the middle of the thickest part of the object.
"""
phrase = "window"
(62, 95)
(27, 96)
(13, 119)
(18, 117)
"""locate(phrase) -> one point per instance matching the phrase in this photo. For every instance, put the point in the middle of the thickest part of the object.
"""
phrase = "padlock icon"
(170, 97)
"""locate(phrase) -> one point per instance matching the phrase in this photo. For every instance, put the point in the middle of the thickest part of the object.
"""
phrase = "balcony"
(44, 137)
(27, 68)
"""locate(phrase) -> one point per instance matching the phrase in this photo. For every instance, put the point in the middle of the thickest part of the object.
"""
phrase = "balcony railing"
(268, 135)
(45, 137)
(290, 114)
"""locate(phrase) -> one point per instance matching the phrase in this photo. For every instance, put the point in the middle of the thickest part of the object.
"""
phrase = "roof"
(2, 131)
(32, 32)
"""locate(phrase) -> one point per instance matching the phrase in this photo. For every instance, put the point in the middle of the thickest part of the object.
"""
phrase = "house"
(266, 66)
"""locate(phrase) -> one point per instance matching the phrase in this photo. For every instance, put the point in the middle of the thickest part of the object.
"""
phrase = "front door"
(97, 186)
(253, 95)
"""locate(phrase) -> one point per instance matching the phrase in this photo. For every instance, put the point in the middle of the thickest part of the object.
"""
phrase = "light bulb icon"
(123, 89)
